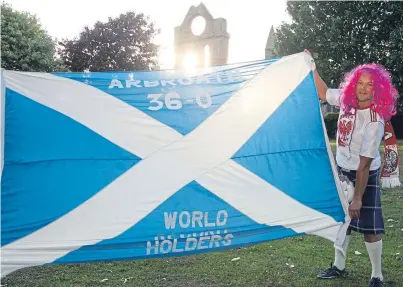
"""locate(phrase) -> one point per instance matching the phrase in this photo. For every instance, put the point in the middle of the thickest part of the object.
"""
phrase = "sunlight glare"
(190, 61)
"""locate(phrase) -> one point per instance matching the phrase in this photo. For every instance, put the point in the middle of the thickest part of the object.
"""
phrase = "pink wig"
(385, 96)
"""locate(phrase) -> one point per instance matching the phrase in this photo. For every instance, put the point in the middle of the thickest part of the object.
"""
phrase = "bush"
(331, 124)
(397, 123)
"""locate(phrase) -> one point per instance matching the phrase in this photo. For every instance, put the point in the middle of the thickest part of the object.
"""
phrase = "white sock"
(375, 255)
(339, 258)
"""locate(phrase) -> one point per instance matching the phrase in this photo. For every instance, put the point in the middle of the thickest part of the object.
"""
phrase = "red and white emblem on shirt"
(345, 129)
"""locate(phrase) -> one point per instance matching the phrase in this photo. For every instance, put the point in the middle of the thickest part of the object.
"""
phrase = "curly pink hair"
(385, 97)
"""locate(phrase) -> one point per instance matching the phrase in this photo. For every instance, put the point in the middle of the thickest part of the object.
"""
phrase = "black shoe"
(332, 272)
(375, 282)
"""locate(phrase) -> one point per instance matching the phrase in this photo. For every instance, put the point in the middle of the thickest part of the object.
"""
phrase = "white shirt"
(359, 132)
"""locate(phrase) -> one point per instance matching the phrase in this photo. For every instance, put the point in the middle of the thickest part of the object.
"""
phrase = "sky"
(248, 21)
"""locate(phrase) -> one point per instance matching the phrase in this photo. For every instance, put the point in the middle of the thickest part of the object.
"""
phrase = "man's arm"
(360, 186)
(371, 141)
(321, 86)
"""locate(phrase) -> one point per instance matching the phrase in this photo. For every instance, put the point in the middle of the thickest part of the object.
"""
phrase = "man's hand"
(354, 208)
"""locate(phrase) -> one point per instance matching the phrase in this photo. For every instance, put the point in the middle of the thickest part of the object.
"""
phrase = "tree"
(123, 43)
(25, 45)
(344, 34)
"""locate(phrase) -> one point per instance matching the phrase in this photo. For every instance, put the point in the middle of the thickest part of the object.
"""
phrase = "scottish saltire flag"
(134, 165)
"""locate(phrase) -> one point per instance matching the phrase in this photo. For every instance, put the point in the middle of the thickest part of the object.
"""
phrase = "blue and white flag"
(133, 165)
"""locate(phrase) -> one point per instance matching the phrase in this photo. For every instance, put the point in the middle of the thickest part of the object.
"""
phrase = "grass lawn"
(268, 264)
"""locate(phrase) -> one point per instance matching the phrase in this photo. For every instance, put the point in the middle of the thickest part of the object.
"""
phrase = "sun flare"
(190, 61)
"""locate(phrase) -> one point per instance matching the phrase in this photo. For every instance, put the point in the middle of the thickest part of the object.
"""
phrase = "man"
(367, 99)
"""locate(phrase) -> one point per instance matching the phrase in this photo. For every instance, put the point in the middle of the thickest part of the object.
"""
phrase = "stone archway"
(190, 45)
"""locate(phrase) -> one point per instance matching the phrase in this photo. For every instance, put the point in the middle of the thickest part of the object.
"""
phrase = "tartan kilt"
(371, 219)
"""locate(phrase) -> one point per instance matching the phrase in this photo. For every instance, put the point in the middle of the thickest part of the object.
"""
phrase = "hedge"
(331, 124)
(397, 123)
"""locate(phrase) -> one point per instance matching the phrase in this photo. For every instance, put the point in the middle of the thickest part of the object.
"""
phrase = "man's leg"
(339, 257)
(338, 268)
(373, 242)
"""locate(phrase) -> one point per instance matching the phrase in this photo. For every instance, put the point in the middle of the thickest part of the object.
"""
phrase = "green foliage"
(123, 43)
(331, 124)
(344, 34)
(25, 45)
